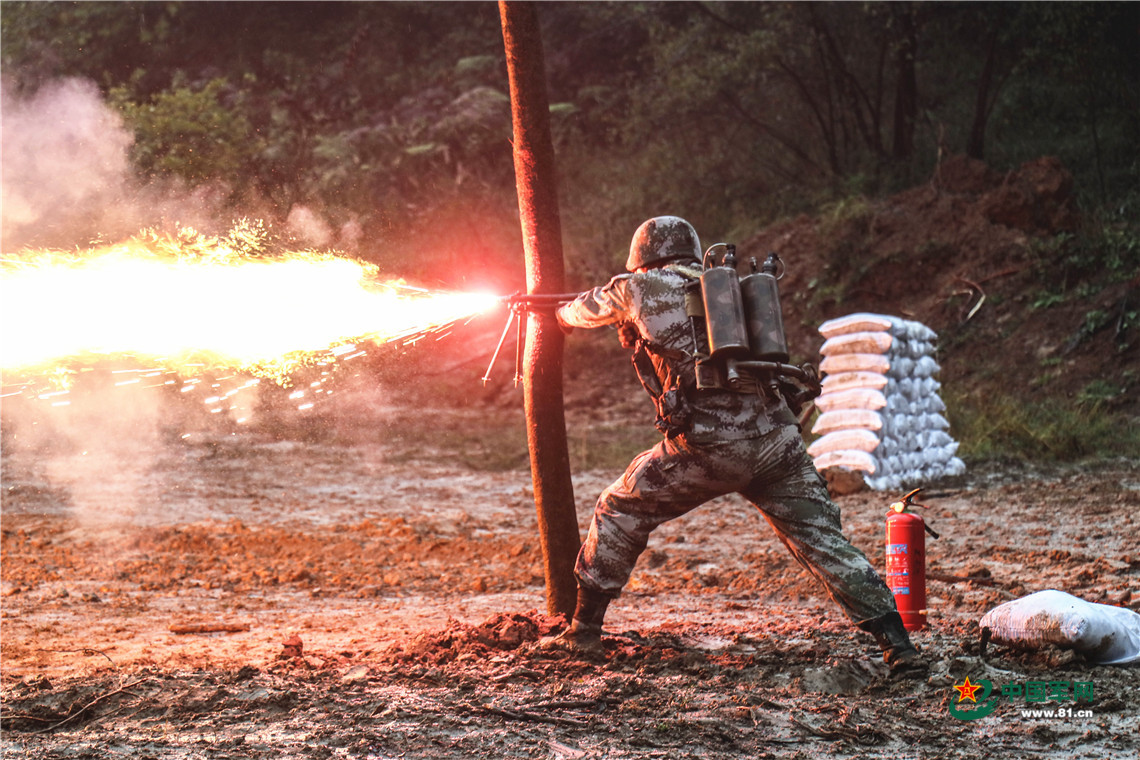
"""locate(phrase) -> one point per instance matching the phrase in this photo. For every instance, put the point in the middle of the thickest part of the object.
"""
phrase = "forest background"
(383, 129)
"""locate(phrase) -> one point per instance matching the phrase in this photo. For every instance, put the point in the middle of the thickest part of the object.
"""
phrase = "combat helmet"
(663, 238)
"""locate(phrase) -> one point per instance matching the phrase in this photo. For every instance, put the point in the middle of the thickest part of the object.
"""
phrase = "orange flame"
(188, 300)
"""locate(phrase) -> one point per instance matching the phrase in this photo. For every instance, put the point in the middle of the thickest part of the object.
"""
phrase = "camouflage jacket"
(654, 302)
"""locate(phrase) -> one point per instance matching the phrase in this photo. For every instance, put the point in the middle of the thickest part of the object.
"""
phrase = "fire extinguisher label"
(896, 548)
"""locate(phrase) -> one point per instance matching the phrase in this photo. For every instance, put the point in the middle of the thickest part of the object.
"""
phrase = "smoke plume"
(67, 177)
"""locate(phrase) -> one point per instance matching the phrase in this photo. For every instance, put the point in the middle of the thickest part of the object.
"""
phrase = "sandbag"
(863, 322)
(1105, 634)
(858, 398)
(856, 440)
(846, 419)
(847, 380)
(925, 367)
(857, 343)
(833, 365)
(859, 352)
(850, 460)
(853, 323)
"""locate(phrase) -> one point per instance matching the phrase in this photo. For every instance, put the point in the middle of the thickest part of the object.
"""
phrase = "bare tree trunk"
(976, 144)
(906, 89)
(542, 363)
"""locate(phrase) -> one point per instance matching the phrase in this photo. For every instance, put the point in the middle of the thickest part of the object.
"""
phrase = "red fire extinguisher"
(906, 560)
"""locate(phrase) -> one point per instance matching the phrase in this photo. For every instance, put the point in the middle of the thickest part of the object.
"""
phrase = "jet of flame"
(186, 300)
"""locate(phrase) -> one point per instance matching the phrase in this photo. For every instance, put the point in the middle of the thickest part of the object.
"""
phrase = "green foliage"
(189, 133)
(1077, 265)
(731, 114)
(1055, 430)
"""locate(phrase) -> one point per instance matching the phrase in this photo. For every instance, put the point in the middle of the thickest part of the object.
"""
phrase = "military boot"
(898, 652)
(584, 636)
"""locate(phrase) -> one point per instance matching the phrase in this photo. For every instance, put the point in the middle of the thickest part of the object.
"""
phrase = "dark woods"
(395, 116)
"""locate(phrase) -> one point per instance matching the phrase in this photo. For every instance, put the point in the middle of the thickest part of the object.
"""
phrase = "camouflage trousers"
(775, 474)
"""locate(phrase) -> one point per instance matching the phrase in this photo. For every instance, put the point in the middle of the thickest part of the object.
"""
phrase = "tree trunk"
(542, 362)
(906, 89)
(976, 144)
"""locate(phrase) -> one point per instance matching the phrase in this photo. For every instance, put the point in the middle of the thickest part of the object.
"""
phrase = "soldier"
(742, 440)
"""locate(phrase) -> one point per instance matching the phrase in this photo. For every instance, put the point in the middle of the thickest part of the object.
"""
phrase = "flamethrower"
(518, 305)
(738, 329)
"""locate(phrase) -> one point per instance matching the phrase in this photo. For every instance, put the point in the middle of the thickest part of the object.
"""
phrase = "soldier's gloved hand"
(628, 334)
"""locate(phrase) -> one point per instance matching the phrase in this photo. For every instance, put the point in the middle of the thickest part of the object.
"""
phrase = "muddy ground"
(363, 580)
(247, 595)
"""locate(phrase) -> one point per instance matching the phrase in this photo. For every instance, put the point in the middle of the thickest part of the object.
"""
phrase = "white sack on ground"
(883, 365)
(1105, 634)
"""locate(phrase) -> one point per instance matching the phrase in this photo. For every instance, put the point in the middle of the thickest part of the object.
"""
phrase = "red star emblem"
(966, 690)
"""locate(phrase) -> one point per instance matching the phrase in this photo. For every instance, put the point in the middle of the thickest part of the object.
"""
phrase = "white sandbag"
(857, 343)
(932, 441)
(853, 323)
(865, 322)
(1105, 634)
(913, 388)
(935, 421)
(909, 347)
(842, 440)
(899, 425)
(925, 367)
(901, 366)
(847, 419)
(911, 330)
(847, 380)
(858, 398)
(914, 447)
(885, 483)
(833, 365)
(898, 404)
(851, 460)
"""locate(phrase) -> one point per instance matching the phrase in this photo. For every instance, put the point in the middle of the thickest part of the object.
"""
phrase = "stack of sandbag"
(880, 412)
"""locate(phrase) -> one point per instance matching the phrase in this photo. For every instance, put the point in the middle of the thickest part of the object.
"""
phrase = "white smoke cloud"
(304, 224)
(64, 155)
(67, 178)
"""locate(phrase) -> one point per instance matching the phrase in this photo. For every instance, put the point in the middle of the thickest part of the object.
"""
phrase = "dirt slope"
(975, 255)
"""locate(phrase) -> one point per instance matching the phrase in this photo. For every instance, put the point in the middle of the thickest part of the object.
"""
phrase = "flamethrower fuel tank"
(724, 309)
(762, 311)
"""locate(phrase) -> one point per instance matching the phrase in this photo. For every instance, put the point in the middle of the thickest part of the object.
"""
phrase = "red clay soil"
(366, 582)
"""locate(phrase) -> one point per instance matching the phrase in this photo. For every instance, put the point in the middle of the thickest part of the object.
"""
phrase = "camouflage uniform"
(716, 442)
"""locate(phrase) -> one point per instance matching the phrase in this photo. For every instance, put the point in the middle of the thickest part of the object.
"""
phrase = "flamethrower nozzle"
(519, 304)
(537, 301)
